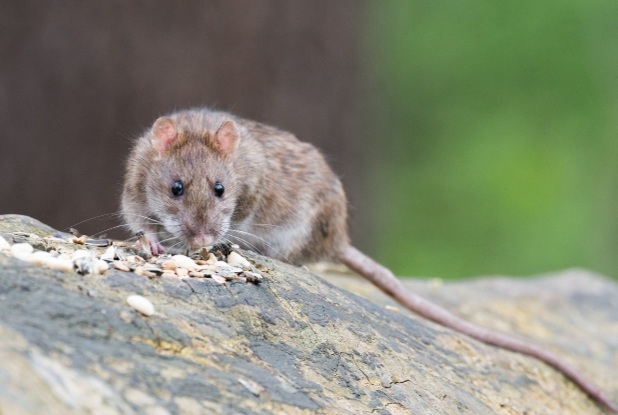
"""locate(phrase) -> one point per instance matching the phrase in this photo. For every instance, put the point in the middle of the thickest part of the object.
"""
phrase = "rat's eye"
(178, 188)
(219, 189)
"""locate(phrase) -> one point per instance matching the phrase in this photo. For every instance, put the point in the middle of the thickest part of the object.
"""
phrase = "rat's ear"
(226, 138)
(165, 133)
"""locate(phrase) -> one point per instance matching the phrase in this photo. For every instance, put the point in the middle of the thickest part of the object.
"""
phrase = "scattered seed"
(80, 253)
(45, 259)
(144, 242)
(121, 253)
(218, 278)
(230, 276)
(141, 304)
(97, 242)
(86, 264)
(205, 269)
(204, 252)
(79, 240)
(153, 269)
(4, 245)
(22, 251)
(136, 259)
(184, 261)
(60, 263)
(252, 386)
(253, 276)
(236, 260)
(39, 258)
(21, 248)
(140, 270)
(121, 266)
(169, 265)
(101, 266)
(391, 308)
(221, 249)
(227, 269)
(109, 254)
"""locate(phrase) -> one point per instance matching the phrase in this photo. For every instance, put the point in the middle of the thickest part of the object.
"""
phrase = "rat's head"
(192, 188)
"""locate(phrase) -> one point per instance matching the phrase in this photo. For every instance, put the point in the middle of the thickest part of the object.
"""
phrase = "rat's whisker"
(268, 224)
(104, 215)
(244, 241)
(107, 230)
(262, 240)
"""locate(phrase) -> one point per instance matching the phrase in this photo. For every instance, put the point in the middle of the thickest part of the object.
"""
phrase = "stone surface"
(294, 344)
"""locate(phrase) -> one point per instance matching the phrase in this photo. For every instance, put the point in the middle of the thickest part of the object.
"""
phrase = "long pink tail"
(391, 285)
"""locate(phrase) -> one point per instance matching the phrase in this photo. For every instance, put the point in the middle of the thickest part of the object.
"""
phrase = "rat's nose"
(203, 239)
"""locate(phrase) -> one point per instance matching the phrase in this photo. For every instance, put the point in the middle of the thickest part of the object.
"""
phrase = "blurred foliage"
(497, 124)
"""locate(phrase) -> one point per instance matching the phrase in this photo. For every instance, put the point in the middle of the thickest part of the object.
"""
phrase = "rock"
(293, 344)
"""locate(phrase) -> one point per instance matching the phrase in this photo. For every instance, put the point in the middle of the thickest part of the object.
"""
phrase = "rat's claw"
(155, 247)
(150, 244)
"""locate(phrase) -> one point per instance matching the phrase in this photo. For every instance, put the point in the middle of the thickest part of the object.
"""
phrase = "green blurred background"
(497, 122)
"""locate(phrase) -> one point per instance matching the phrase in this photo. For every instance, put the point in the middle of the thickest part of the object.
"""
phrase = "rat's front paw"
(149, 243)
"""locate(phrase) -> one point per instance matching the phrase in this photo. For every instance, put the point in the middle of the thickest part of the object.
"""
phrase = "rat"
(201, 177)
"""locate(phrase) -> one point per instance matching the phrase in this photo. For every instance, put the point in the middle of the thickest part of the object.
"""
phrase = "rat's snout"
(202, 239)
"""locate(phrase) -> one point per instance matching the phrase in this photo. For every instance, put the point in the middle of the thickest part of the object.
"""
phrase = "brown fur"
(266, 180)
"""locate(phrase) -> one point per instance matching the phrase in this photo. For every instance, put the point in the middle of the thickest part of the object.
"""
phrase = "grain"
(141, 304)
(22, 251)
(4, 245)
(236, 260)
(184, 261)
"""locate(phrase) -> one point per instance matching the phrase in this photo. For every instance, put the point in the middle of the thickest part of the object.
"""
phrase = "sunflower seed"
(252, 386)
(253, 276)
(140, 270)
(97, 242)
(4, 245)
(121, 266)
(184, 261)
(141, 304)
(236, 260)
(78, 254)
(218, 278)
(169, 264)
(109, 254)
(196, 274)
(22, 251)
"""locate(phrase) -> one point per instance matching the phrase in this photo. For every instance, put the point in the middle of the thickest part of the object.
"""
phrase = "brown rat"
(200, 177)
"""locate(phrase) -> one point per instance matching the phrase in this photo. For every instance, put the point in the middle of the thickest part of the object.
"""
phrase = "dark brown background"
(79, 80)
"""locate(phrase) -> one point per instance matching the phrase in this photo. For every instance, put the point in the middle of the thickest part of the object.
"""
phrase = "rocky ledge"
(295, 343)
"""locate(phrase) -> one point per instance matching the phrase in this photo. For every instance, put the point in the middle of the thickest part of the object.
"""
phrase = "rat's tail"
(391, 285)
